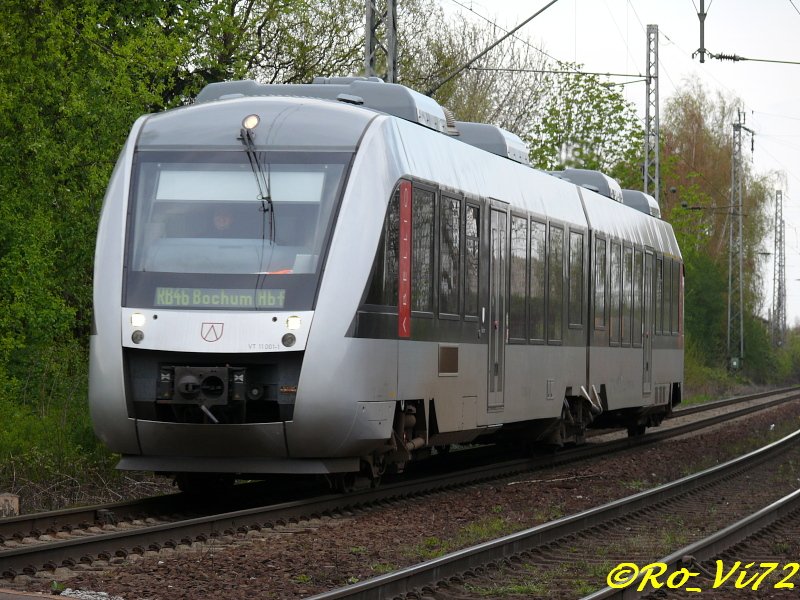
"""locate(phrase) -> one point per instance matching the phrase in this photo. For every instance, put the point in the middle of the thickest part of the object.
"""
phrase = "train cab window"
(471, 252)
(615, 293)
(676, 294)
(518, 267)
(638, 297)
(537, 281)
(599, 283)
(383, 285)
(659, 295)
(422, 250)
(627, 295)
(202, 214)
(450, 259)
(575, 279)
(204, 235)
(555, 285)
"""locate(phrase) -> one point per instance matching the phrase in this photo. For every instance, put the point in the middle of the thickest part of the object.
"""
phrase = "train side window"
(422, 250)
(638, 297)
(471, 264)
(615, 293)
(450, 258)
(537, 280)
(519, 268)
(575, 279)
(383, 286)
(599, 283)
(665, 328)
(659, 295)
(555, 284)
(676, 293)
(627, 295)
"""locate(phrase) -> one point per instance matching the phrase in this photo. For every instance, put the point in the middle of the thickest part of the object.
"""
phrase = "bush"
(703, 382)
(48, 451)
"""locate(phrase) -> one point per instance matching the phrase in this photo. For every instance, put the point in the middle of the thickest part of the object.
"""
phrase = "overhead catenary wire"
(504, 30)
(488, 49)
(737, 58)
(556, 71)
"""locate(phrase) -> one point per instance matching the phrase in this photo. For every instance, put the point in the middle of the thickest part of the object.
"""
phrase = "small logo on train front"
(211, 332)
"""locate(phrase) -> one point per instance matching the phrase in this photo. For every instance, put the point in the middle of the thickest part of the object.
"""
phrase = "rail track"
(69, 537)
(716, 562)
(594, 541)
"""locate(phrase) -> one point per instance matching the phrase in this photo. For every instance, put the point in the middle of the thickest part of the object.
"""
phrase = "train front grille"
(178, 387)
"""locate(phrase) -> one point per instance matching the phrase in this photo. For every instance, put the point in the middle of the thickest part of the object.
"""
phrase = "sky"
(610, 36)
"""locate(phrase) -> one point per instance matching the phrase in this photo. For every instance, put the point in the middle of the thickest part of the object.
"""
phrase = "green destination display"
(218, 298)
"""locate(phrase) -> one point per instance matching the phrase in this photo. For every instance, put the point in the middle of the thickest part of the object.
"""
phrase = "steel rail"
(60, 520)
(707, 406)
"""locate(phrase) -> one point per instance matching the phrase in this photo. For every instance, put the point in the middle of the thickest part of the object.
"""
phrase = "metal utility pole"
(779, 279)
(702, 16)
(736, 253)
(381, 14)
(652, 174)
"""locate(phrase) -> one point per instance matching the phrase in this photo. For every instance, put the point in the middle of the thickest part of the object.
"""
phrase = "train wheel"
(204, 483)
(636, 430)
(342, 483)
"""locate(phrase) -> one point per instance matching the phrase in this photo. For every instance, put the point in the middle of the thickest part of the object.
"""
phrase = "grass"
(781, 547)
(637, 485)
(550, 513)
(538, 581)
(524, 588)
(485, 529)
(382, 568)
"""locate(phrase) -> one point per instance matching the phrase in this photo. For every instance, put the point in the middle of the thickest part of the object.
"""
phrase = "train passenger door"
(498, 309)
(647, 325)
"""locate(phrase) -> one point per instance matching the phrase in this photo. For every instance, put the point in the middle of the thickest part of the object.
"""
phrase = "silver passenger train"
(336, 278)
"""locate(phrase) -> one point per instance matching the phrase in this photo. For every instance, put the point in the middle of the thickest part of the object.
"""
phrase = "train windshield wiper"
(246, 135)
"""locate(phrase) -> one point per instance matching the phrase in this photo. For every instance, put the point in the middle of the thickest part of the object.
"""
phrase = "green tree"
(697, 134)
(72, 80)
(586, 123)
(273, 41)
(501, 88)
(75, 77)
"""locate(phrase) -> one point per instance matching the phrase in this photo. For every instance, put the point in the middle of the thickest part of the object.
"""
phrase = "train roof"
(332, 115)
(438, 159)
(332, 126)
(594, 180)
(641, 202)
(389, 98)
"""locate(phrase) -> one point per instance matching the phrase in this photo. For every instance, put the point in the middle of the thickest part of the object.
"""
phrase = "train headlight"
(288, 340)
(294, 322)
(138, 320)
(137, 336)
(250, 122)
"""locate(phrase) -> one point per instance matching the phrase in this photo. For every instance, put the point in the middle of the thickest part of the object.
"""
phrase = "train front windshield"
(210, 230)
